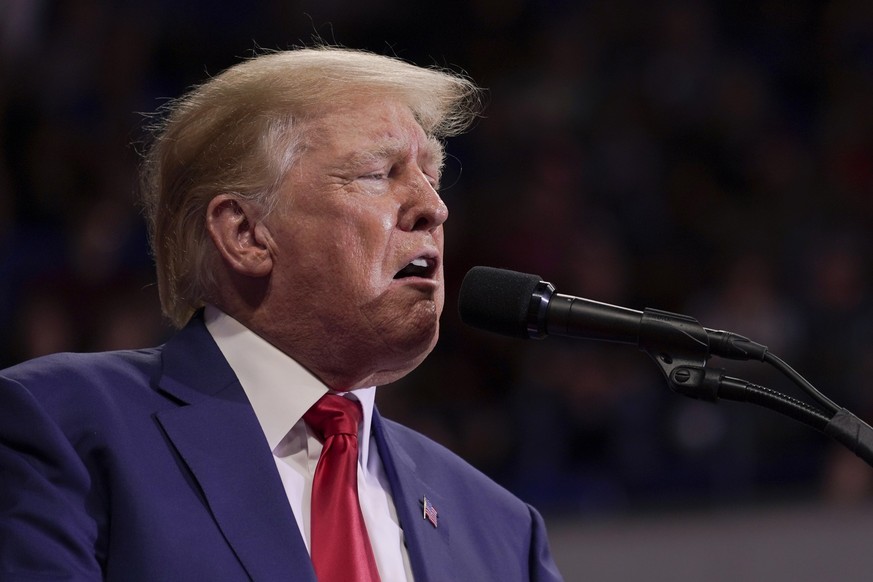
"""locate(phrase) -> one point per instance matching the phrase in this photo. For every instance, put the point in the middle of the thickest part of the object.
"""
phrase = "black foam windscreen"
(497, 300)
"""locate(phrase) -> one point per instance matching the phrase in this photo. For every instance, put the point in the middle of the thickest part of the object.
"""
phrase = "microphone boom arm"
(679, 345)
(524, 306)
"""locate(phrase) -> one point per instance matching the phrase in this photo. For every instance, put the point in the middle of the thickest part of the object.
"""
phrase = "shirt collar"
(280, 389)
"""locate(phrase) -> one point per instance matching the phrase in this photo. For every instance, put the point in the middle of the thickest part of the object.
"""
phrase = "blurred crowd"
(708, 158)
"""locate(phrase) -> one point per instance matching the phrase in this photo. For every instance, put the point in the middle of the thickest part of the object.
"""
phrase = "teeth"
(418, 267)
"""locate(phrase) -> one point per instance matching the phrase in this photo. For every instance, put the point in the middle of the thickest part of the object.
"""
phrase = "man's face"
(357, 238)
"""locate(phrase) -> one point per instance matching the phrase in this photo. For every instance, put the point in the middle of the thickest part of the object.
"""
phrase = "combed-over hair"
(240, 132)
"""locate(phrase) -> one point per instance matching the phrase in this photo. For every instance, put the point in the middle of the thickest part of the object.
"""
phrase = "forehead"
(370, 128)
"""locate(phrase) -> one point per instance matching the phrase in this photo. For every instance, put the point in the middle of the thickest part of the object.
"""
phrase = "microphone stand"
(680, 347)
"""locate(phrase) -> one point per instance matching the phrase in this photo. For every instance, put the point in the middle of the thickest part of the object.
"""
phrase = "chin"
(400, 338)
(415, 348)
(407, 357)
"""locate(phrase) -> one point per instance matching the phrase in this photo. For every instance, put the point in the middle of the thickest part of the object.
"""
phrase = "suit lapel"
(220, 441)
(429, 547)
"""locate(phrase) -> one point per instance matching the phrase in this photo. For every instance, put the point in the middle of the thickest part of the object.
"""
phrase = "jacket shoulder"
(69, 369)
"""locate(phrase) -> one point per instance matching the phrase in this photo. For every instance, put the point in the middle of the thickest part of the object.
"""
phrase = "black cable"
(802, 382)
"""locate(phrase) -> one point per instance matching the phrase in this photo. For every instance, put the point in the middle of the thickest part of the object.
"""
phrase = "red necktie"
(340, 547)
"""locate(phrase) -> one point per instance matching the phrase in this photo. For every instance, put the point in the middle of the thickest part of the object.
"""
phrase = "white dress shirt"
(281, 391)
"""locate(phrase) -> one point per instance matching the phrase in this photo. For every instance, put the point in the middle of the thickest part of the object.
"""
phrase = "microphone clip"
(679, 345)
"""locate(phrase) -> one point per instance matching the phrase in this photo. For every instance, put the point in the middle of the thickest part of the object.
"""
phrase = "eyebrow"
(432, 152)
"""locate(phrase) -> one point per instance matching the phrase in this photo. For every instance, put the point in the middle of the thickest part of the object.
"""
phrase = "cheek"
(348, 243)
(371, 240)
(358, 258)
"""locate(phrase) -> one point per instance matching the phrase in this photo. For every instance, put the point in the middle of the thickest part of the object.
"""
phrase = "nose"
(424, 209)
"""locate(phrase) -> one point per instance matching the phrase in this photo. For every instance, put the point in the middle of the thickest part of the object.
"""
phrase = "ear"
(238, 236)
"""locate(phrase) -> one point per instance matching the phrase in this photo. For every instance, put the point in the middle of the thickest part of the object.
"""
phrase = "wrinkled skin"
(316, 277)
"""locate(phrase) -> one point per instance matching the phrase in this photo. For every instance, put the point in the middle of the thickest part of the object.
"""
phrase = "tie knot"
(334, 414)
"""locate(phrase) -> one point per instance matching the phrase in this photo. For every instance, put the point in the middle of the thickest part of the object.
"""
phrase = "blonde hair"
(240, 133)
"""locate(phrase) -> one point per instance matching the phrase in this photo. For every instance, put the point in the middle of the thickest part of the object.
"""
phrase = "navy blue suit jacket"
(151, 465)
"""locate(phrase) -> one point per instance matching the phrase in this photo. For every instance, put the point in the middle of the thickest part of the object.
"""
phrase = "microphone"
(524, 306)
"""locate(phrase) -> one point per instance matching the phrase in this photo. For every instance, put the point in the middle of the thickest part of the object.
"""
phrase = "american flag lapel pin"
(429, 512)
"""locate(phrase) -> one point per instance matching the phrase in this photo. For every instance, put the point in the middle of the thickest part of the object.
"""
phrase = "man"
(297, 232)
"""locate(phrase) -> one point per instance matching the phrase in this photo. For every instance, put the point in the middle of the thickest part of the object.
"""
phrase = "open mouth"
(420, 267)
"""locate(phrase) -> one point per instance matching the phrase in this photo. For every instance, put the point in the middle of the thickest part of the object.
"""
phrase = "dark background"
(708, 158)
